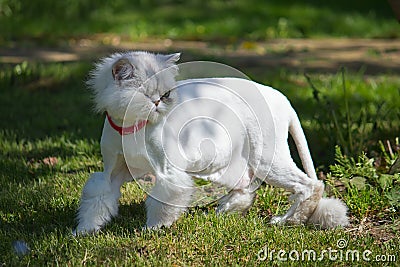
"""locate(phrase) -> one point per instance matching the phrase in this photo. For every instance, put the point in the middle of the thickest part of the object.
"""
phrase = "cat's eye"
(166, 95)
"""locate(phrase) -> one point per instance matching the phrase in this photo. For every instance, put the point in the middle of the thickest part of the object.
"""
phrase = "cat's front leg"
(97, 205)
(169, 198)
(100, 195)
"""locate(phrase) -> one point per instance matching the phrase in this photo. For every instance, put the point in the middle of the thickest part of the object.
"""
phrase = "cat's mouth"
(154, 115)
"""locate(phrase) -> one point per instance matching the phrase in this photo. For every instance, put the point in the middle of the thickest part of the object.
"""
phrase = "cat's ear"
(172, 58)
(122, 70)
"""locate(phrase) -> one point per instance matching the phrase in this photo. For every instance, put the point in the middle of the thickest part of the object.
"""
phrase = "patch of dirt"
(381, 230)
(313, 55)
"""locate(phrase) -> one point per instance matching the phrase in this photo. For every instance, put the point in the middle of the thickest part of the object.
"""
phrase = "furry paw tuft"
(330, 213)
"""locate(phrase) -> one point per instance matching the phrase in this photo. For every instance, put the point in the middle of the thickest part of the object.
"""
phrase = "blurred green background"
(217, 20)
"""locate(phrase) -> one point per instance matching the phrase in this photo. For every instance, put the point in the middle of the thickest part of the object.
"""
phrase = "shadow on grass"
(47, 100)
(131, 218)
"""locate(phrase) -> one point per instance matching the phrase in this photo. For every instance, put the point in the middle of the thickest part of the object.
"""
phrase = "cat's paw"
(279, 220)
(157, 228)
(157, 225)
(85, 230)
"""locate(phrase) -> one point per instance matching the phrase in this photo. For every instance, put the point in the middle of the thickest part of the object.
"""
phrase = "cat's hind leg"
(169, 198)
(307, 192)
(309, 206)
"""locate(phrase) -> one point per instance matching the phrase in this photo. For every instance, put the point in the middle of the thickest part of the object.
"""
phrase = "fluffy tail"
(329, 212)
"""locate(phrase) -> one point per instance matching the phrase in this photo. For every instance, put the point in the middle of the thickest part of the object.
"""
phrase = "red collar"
(126, 130)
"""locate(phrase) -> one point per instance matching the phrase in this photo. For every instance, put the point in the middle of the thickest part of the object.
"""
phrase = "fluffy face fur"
(229, 131)
(126, 85)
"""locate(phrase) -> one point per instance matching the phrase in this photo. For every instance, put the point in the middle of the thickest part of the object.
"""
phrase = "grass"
(225, 21)
(49, 145)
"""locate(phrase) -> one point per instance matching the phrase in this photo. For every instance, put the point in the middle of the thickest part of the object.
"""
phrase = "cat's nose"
(156, 102)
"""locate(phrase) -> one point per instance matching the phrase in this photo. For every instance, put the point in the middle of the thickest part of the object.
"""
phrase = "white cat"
(226, 130)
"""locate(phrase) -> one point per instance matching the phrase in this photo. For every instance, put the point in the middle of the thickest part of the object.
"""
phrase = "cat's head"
(135, 86)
